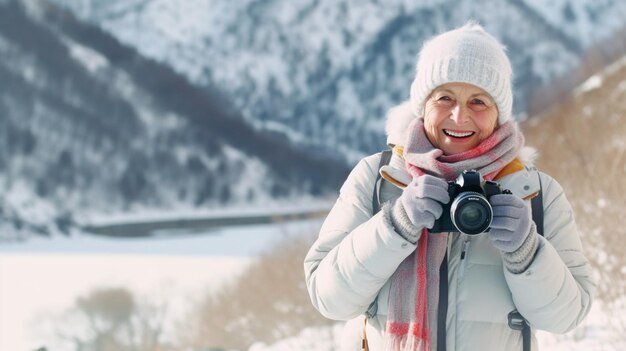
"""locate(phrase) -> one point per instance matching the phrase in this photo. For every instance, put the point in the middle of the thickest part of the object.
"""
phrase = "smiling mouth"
(459, 135)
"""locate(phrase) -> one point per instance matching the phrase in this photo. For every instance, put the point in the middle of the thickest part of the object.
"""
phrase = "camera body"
(468, 210)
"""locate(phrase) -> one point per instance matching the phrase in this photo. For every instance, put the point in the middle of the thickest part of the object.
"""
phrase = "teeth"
(458, 135)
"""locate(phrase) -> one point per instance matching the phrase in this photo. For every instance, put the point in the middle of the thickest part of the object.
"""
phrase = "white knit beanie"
(469, 55)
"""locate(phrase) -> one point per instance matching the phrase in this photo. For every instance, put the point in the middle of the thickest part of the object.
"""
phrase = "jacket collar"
(514, 166)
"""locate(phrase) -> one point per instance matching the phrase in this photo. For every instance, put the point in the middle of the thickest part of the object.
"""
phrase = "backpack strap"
(537, 208)
(516, 320)
(385, 157)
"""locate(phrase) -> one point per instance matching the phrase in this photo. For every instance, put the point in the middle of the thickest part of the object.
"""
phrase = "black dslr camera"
(469, 210)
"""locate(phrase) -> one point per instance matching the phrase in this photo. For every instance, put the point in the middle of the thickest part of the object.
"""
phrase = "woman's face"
(458, 116)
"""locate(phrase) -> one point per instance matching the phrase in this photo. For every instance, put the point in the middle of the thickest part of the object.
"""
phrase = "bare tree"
(113, 319)
(268, 302)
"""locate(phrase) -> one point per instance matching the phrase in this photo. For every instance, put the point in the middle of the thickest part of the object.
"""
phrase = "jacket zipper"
(466, 244)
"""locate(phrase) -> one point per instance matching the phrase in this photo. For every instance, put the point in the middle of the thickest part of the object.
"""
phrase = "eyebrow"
(471, 96)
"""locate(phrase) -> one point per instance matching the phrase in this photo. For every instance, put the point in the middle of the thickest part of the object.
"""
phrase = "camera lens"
(471, 213)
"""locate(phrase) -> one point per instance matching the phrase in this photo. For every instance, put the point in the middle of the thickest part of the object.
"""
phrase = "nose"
(459, 114)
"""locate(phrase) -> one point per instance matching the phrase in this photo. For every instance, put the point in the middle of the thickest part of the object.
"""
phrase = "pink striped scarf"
(414, 291)
(489, 157)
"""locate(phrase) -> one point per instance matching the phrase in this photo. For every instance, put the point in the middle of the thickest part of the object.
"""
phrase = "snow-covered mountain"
(88, 125)
(192, 103)
(326, 72)
(585, 21)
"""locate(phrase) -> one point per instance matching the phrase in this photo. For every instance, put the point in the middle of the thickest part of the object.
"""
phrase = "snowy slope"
(325, 72)
(309, 82)
(90, 127)
(588, 21)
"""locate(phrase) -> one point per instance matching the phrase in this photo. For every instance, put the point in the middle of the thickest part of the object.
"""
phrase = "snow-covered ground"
(42, 277)
(38, 285)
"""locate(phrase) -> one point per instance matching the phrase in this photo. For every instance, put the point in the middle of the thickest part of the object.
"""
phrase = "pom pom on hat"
(469, 55)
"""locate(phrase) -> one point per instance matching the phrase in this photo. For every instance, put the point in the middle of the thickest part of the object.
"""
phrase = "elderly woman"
(383, 269)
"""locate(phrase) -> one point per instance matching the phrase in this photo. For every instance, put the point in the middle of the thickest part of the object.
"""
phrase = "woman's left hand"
(511, 223)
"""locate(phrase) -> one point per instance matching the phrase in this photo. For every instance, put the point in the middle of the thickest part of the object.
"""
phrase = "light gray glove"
(512, 231)
(419, 206)
(511, 222)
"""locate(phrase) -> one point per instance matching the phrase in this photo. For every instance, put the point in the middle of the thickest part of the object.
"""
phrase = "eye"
(478, 105)
(444, 100)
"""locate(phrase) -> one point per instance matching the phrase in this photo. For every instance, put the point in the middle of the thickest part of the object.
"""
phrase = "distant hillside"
(324, 73)
(189, 104)
(582, 144)
(88, 125)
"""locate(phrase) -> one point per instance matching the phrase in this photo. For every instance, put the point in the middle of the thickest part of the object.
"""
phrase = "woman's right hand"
(422, 200)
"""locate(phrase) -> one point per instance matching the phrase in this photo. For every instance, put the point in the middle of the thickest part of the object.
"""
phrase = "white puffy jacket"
(350, 264)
